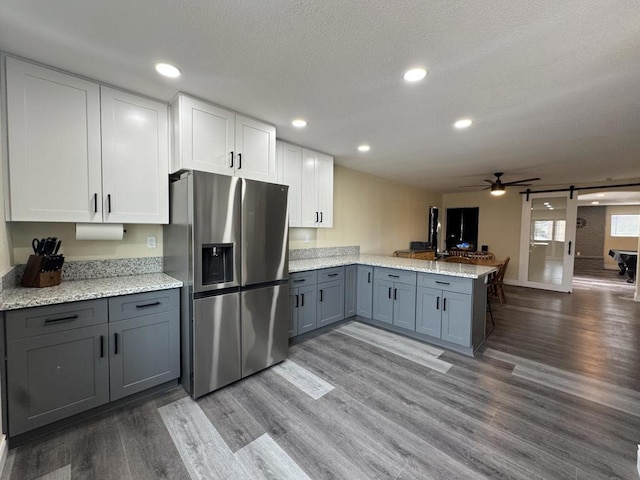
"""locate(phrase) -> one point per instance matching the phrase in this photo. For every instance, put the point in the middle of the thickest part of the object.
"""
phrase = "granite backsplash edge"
(322, 252)
(85, 269)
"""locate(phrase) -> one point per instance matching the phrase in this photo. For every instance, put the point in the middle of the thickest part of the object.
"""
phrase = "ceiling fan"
(498, 187)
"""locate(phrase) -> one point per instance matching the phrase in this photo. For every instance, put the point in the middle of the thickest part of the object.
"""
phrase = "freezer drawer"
(265, 327)
(216, 339)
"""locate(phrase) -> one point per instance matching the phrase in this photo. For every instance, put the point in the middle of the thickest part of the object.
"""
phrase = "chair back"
(457, 259)
(482, 255)
(503, 268)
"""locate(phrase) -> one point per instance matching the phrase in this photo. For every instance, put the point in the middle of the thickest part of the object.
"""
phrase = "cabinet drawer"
(139, 304)
(29, 322)
(445, 282)
(393, 275)
(330, 274)
(300, 279)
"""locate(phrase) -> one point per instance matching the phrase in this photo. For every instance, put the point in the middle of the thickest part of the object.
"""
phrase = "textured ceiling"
(553, 86)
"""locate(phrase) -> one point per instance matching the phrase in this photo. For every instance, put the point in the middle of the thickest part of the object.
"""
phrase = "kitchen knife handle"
(115, 340)
(239, 161)
(231, 154)
(368, 277)
(62, 319)
(95, 203)
(101, 346)
(297, 301)
(302, 299)
(437, 303)
(109, 202)
(153, 304)
(320, 294)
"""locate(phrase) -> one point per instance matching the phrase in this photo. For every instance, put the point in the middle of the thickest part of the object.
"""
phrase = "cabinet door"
(53, 124)
(307, 309)
(309, 195)
(350, 291)
(324, 174)
(292, 176)
(404, 306)
(204, 135)
(456, 318)
(294, 305)
(428, 317)
(330, 302)
(255, 150)
(383, 300)
(135, 159)
(54, 376)
(144, 352)
(364, 295)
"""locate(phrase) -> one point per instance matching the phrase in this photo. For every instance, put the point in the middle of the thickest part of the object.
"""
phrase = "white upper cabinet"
(63, 167)
(211, 139)
(53, 123)
(135, 163)
(204, 136)
(317, 190)
(289, 161)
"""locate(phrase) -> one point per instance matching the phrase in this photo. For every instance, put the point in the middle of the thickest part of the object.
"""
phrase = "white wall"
(621, 243)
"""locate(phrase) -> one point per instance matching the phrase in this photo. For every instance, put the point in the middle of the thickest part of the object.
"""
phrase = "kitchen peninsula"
(436, 302)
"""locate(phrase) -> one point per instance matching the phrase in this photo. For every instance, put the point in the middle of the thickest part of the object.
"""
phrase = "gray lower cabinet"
(67, 358)
(350, 291)
(444, 308)
(302, 293)
(54, 376)
(330, 295)
(394, 297)
(364, 295)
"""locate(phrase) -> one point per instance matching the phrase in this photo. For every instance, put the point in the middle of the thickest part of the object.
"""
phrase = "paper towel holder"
(100, 231)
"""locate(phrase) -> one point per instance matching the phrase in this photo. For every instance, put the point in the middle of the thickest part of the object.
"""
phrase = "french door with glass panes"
(548, 241)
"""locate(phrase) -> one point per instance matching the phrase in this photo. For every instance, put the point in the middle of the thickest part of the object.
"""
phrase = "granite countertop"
(88, 289)
(426, 266)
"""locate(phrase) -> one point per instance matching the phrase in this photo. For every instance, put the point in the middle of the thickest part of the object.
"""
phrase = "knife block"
(33, 275)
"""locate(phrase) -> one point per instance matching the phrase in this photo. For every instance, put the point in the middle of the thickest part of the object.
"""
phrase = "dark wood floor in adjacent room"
(555, 394)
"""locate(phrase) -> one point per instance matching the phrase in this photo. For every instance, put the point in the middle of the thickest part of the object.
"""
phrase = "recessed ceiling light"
(299, 123)
(364, 148)
(463, 123)
(415, 74)
(595, 203)
(168, 70)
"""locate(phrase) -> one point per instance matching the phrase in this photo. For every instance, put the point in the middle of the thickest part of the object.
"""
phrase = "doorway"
(462, 228)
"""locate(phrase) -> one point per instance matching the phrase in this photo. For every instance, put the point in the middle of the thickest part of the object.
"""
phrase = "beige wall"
(499, 223)
(379, 215)
(622, 243)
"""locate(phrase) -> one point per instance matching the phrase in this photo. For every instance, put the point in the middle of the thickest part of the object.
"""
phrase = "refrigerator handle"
(231, 155)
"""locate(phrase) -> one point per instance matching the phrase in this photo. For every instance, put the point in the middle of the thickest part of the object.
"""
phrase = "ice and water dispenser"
(217, 263)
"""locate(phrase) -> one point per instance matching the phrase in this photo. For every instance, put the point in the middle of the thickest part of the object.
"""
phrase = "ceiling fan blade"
(489, 181)
(517, 184)
(521, 181)
(470, 186)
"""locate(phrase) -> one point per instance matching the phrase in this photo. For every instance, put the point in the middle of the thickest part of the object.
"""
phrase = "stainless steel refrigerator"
(227, 240)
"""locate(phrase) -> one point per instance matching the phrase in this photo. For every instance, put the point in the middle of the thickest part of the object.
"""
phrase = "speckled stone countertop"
(88, 289)
(426, 266)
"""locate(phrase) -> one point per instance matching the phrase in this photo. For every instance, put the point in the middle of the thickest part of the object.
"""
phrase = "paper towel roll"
(99, 231)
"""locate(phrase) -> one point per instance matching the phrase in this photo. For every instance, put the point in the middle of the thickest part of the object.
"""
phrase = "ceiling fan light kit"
(498, 190)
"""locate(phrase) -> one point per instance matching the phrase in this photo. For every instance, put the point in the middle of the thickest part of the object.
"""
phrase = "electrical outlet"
(151, 241)
(307, 237)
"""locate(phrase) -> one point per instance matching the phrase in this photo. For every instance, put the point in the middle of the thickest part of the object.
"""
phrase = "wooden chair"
(456, 259)
(482, 255)
(497, 283)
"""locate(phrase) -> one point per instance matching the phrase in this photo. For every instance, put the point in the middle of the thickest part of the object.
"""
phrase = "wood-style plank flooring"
(555, 394)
